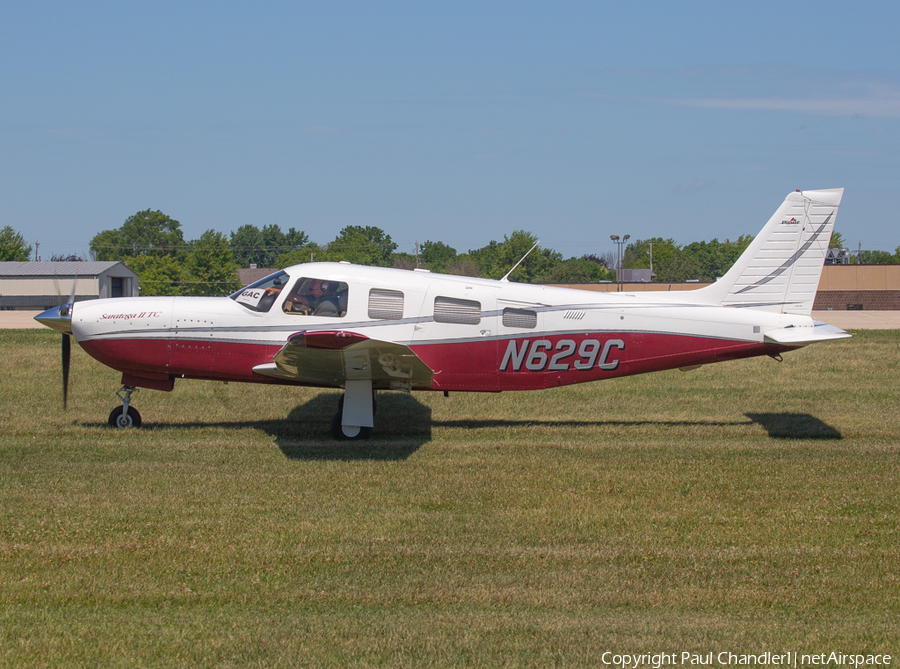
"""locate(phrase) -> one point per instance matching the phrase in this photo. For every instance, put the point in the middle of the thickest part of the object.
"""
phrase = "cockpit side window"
(260, 296)
(317, 297)
(455, 310)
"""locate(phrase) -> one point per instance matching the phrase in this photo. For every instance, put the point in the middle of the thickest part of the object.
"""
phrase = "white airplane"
(337, 325)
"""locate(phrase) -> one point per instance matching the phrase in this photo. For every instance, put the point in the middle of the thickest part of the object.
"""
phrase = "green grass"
(744, 507)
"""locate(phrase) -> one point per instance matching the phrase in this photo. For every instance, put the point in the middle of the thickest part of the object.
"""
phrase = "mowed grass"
(743, 507)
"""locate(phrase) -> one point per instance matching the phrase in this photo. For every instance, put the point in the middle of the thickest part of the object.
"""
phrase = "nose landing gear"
(126, 415)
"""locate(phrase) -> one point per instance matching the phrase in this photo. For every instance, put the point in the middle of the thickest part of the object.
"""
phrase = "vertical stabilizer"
(780, 270)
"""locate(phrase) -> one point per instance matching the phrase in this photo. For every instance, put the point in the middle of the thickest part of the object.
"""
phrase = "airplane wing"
(332, 357)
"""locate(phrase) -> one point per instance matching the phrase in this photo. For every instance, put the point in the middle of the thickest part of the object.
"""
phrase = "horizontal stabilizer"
(801, 335)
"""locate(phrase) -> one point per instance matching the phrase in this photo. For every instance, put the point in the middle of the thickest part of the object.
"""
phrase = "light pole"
(620, 243)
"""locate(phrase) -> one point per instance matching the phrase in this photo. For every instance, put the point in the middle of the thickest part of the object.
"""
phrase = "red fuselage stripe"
(490, 365)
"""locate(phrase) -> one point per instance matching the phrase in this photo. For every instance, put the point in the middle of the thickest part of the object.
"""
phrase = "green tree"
(149, 233)
(211, 267)
(670, 263)
(152, 245)
(250, 245)
(578, 270)
(360, 245)
(159, 275)
(13, 247)
(309, 253)
(715, 258)
(247, 246)
(498, 258)
(436, 256)
(403, 261)
(487, 259)
(877, 258)
(105, 245)
(462, 265)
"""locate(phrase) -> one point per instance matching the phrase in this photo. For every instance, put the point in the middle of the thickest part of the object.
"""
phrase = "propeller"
(66, 358)
(62, 316)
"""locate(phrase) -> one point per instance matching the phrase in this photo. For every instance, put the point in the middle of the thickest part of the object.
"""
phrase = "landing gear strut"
(356, 410)
(126, 415)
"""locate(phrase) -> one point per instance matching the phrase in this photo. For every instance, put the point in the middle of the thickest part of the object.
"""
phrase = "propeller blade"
(66, 357)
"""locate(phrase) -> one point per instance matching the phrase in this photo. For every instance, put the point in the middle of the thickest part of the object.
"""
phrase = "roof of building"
(59, 269)
(254, 274)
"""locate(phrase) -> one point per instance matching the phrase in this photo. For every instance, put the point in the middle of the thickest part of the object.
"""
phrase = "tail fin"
(780, 270)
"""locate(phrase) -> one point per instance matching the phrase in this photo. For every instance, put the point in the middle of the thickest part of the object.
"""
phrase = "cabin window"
(519, 318)
(455, 310)
(317, 297)
(261, 295)
(385, 304)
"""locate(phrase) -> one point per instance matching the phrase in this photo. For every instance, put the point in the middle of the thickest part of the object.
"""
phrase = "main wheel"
(337, 430)
(120, 420)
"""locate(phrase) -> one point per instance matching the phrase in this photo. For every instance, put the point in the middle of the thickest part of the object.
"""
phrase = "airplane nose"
(58, 318)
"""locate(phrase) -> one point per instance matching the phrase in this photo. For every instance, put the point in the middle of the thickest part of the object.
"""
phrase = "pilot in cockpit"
(314, 297)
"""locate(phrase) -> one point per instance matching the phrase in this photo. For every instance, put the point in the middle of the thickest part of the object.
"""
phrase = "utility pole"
(417, 254)
(37, 246)
(620, 243)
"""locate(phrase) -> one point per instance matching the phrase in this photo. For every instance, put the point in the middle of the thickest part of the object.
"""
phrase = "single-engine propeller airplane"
(363, 329)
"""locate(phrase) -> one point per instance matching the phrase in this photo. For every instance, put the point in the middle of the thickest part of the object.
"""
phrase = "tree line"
(152, 245)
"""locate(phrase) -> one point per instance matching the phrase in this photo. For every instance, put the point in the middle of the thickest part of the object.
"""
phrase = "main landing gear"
(356, 410)
(126, 415)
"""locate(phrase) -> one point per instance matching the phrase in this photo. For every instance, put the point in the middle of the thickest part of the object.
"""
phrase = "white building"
(33, 286)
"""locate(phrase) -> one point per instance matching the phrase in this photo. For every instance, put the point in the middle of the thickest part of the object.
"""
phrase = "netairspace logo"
(727, 658)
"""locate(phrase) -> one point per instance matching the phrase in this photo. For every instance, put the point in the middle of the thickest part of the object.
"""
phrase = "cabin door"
(457, 336)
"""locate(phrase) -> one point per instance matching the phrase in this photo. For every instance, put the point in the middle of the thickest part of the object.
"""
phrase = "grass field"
(749, 506)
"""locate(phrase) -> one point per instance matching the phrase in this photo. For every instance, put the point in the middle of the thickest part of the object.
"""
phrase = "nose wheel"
(129, 418)
(126, 415)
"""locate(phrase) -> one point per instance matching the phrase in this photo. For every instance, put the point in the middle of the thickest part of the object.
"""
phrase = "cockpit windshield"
(260, 296)
(308, 296)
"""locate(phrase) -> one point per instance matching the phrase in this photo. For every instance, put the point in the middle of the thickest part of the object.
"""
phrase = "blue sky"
(458, 122)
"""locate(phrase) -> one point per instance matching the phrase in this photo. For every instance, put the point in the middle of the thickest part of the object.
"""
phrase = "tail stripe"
(790, 261)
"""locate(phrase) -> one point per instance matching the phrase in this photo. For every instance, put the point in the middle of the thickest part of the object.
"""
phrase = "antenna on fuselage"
(506, 276)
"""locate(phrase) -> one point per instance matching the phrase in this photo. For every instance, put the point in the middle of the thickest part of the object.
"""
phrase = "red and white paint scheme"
(338, 325)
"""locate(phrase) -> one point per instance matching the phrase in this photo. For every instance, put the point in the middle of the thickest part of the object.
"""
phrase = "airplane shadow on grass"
(794, 426)
(402, 426)
(778, 425)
